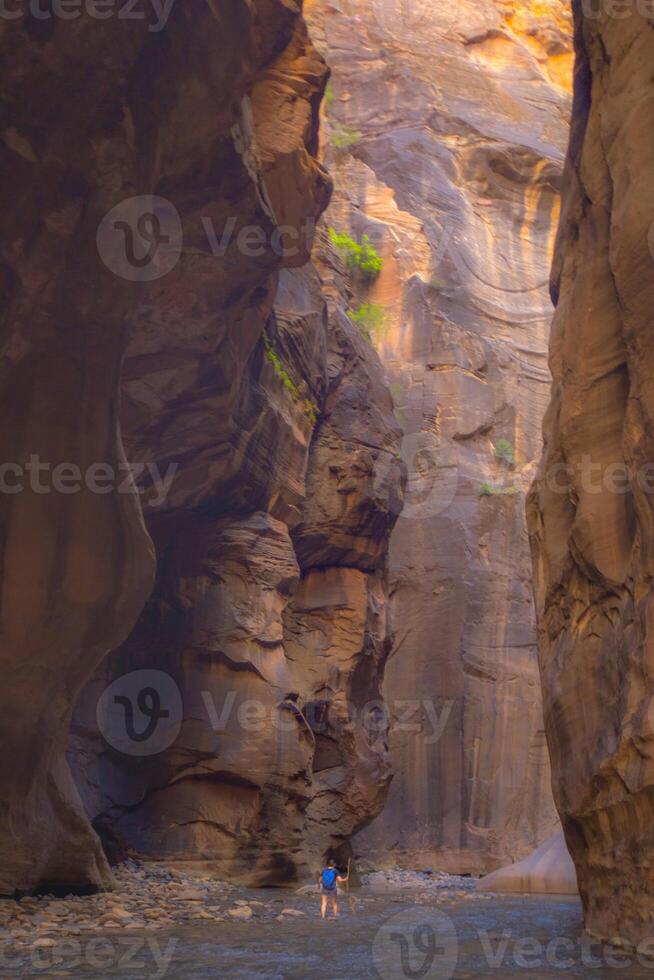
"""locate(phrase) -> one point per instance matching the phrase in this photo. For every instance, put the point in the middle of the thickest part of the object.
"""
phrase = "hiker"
(328, 880)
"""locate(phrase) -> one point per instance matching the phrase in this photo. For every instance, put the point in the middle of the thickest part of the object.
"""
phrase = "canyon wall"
(268, 622)
(590, 512)
(445, 129)
(128, 147)
(230, 730)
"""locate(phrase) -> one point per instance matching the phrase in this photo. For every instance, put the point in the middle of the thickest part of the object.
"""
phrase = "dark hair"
(331, 863)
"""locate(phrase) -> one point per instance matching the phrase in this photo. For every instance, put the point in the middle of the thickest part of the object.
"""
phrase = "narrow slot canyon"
(325, 489)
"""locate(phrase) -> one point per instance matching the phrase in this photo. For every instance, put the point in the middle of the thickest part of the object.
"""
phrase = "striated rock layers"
(590, 510)
(445, 132)
(214, 120)
(270, 617)
(231, 729)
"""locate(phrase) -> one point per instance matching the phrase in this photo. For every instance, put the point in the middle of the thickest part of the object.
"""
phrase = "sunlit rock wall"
(445, 129)
(591, 508)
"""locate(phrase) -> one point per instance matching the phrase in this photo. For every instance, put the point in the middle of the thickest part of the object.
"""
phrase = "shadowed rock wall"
(207, 124)
(271, 624)
(590, 511)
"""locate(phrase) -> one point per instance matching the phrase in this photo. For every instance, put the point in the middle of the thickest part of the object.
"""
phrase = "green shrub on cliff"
(307, 405)
(489, 490)
(345, 137)
(360, 257)
(370, 319)
(505, 452)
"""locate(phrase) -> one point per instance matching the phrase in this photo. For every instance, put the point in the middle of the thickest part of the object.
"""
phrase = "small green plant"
(345, 137)
(505, 452)
(489, 490)
(360, 257)
(329, 95)
(397, 392)
(399, 401)
(370, 319)
(308, 406)
(437, 284)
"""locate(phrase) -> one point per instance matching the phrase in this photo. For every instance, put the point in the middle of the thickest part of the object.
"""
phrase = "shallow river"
(379, 935)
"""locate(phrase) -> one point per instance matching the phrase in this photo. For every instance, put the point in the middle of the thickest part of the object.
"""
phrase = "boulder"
(548, 870)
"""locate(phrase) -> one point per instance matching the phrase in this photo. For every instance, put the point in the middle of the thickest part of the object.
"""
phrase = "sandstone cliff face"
(91, 119)
(445, 131)
(590, 510)
(271, 623)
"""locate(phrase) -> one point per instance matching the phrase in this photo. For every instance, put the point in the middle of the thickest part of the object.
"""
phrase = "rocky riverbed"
(161, 922)
(150, 897)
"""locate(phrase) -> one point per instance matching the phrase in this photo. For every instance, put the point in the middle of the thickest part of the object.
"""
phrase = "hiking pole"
(347, 886)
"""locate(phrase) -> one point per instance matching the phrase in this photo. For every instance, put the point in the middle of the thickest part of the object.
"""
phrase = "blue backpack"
(328, 878)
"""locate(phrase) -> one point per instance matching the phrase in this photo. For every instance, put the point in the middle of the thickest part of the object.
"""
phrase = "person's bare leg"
(323, 910)
(334, 907)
